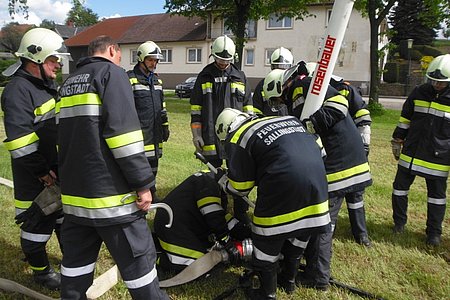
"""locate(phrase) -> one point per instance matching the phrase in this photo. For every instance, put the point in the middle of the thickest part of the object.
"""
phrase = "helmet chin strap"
(44, 77)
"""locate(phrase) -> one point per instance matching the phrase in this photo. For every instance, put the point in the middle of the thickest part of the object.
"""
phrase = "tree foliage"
(48, 24)
(11, 36)
(80, 15)
(414, 19)
(237, 13)
(18, 7)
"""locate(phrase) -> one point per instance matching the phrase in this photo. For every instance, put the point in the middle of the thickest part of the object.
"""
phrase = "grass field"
(396, 267)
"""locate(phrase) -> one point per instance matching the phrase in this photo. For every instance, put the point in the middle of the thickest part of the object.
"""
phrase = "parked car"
(184, 89)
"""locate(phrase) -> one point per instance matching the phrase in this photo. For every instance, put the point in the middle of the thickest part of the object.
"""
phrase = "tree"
(237, 13)
(17, 7)
(12, 35)
(413, 19)
(80, 15)
(48, 24)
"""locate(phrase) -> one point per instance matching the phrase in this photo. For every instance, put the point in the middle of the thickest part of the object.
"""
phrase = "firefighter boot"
(48, 278)
(358, 223)
(286, 278)
(435, 217)
(267, 287)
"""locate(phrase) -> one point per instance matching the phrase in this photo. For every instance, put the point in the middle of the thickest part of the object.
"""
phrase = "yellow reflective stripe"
(125, 139)
(103, 202)
(242, 185)
(22, 141)
(209, 147)
(160, 81)
(22, 204)
(423, 163)
(344, 93)
(208, 200)
(362, 112)
(404, 120)
(38, 268)
(422, 103)
(45, 108)
(297, 91)
(248, 108)
(82, 99)
(149, 147)
(133, 80)
(180, 250)
(196, 107)
(338, 99)
(238, 85)
(241, 129)
(207, 85)
(348, 172)
(441, 107)
(316, 209)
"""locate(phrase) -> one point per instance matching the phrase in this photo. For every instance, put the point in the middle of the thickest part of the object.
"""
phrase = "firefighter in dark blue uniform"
(277, 155)
(346, 163)
(199, 221)
(28, 102)
(421, 144)
(219, 85)
(106, 180)
(149, 101)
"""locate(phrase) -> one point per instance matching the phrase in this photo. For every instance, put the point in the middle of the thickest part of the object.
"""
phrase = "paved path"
(390, 102)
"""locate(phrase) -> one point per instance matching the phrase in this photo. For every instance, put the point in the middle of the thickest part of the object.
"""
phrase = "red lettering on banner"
(323, 65)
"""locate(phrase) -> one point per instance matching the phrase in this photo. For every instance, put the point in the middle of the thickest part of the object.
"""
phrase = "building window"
(250, 29)
(249, 57)
(167, 56)
(276, 22)
(268, 55)
(133, 57)
(194, 55)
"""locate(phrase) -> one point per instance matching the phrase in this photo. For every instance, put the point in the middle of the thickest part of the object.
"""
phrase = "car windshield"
(191, 79)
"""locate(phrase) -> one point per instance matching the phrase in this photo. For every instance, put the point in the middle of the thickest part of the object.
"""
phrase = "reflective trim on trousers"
(142, 281)
(263, 256)
(35, 237)
(79, 271)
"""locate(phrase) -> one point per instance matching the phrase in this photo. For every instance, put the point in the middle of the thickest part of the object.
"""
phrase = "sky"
(56, 10)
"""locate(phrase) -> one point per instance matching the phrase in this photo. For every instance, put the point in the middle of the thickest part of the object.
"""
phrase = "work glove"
(165, 133)
(47, 202)
(222, 180)
(396, 145)
(365, 132)
(309, 126)
(197, 138)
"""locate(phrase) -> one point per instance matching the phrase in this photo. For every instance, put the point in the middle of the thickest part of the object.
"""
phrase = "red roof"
(137, 29)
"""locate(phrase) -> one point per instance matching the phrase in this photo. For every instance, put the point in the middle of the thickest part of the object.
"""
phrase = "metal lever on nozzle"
(153, 206)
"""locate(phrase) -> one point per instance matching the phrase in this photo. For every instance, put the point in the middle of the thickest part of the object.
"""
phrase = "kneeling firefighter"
(199, 221)
(276, 152)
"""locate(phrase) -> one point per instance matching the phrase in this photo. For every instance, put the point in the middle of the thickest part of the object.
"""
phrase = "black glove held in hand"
(31, 217)
(165, 133)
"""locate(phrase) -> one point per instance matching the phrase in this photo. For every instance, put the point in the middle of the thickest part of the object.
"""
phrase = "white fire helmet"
(223, 48)
(148, 49)
(228, 120)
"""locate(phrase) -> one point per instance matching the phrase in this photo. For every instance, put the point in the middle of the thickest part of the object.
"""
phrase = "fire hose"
(213, 169)
(100, 285)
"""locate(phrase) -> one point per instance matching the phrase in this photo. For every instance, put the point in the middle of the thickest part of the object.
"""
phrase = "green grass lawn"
(396, 267)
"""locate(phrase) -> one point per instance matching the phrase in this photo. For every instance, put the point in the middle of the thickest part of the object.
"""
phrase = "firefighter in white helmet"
(421, 144)
(28, 103)
(346, 164)
(149, 101)
(277, 155)
(282, 59)
(219, 85)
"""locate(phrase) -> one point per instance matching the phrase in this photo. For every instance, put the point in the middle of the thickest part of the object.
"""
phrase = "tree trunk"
(374, 57)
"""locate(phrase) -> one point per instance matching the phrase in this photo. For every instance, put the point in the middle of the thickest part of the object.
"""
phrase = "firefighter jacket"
(277, 155)
(346, 162)
(151, 109)
(261, 105)
(28, 104)
(425, 128)
(197, 215)
(101, 149)
(357, 108)
(213, 91)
